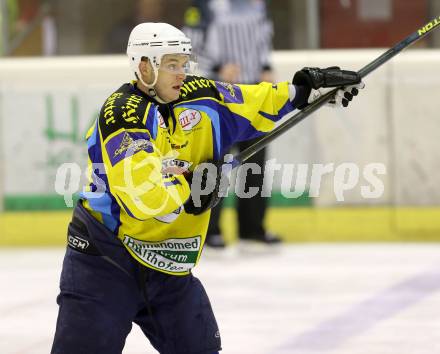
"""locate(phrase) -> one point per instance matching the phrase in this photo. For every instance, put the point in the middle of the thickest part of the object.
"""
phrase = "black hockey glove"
(208, 186)
(315, 80)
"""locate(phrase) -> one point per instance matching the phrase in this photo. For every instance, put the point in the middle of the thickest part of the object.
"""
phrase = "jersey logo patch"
(174, 255)
(77, 242)
(175, 166)
(189, 118)
(127, 144)
(231, 93)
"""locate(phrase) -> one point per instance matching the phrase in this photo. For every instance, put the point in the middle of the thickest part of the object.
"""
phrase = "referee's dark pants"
(250, 211)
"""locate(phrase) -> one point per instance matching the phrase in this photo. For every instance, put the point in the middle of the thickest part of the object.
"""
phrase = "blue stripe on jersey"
(94, 146)
(172, 182)
(107, 206)
(92, 139)
(128, 210)
(236, 128)
(272, 117)
(102, 203)
(287, 108)
(152, 121)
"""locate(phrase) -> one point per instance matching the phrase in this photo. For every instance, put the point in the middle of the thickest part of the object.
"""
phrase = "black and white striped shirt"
(242, 37)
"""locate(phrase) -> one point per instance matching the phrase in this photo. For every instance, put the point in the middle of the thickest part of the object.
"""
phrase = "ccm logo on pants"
(77, 242)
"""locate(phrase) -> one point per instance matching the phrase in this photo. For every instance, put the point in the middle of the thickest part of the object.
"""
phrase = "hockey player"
(137, 231)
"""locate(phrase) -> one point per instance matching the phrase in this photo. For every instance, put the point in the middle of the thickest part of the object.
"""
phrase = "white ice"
(308, 298)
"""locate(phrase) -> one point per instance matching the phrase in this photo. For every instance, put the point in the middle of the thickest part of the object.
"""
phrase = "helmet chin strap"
(151, 91)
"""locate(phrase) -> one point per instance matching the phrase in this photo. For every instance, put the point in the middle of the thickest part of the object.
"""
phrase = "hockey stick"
(298, 117)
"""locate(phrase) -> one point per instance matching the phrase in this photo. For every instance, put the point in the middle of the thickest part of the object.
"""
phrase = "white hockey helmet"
(154, 40)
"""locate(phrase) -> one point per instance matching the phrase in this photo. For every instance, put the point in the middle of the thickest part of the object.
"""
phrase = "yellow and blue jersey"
(137, 145)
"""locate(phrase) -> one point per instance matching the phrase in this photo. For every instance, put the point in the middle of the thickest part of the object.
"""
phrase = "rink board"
(51, 102)
(293, 224)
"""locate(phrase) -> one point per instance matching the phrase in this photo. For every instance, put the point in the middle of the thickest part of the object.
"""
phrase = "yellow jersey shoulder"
(198, 87)
(123, 109)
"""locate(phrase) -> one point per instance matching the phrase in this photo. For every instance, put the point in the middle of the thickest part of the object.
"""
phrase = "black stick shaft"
(367, 69)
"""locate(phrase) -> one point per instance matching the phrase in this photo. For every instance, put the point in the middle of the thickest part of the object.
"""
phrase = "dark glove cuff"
(302, 94)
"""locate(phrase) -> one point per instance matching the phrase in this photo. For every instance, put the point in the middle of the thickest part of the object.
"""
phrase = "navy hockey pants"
(104, 290)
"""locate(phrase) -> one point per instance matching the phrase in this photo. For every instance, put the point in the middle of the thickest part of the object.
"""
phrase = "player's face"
(172, 72)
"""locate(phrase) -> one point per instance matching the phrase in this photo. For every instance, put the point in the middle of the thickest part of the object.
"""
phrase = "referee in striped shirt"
(233, 41)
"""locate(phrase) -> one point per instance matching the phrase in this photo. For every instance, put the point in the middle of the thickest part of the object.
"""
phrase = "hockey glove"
(208, 186)
(333, 76)
(316, 79)
(342, 96)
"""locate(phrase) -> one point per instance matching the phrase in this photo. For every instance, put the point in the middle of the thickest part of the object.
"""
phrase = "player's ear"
(145, 67)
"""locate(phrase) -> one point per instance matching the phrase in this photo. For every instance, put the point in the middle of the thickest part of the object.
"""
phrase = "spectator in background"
(144, 11)
(197, 20)
(235, 37)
